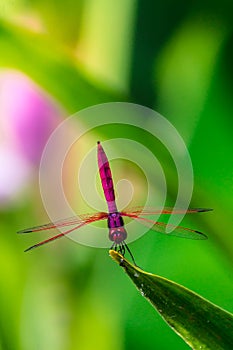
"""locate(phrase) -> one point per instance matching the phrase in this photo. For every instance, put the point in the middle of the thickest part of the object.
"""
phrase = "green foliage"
(175, 57)
(200, 323)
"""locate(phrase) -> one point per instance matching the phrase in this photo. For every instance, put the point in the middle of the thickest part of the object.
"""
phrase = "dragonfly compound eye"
(117, 235)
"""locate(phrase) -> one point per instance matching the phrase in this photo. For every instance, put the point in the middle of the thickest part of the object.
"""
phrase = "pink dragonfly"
(117, 231)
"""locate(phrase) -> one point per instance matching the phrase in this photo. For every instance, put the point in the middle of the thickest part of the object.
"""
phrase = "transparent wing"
(74, 221)
(166, 210)
(161, 227)
(81, 219)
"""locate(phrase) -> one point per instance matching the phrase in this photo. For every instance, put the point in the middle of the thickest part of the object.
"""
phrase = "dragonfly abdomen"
(106, 179)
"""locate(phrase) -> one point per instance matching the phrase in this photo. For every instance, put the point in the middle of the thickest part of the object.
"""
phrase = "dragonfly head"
(117, 234)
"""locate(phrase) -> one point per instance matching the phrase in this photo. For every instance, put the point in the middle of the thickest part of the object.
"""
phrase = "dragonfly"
(115, 219)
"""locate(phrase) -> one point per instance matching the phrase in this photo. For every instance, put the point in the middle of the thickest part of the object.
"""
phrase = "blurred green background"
(58, 57)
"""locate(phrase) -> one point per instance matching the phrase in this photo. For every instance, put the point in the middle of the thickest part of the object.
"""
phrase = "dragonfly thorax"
(115, 220)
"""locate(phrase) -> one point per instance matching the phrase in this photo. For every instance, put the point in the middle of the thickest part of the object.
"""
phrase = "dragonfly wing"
(178, 231)
(141, 211)
(161, 227)
(81, 219)
(79, 223)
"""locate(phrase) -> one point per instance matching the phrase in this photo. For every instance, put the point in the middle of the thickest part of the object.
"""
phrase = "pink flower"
(27, 118)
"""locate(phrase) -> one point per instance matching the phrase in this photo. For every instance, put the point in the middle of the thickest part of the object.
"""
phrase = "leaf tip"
(117, 257)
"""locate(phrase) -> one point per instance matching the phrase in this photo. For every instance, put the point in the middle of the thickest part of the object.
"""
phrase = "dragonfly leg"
(114, 246)
(121, 249)
(125, 245)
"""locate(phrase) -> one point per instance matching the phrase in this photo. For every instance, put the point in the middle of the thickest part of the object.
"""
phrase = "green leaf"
(201, 324)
